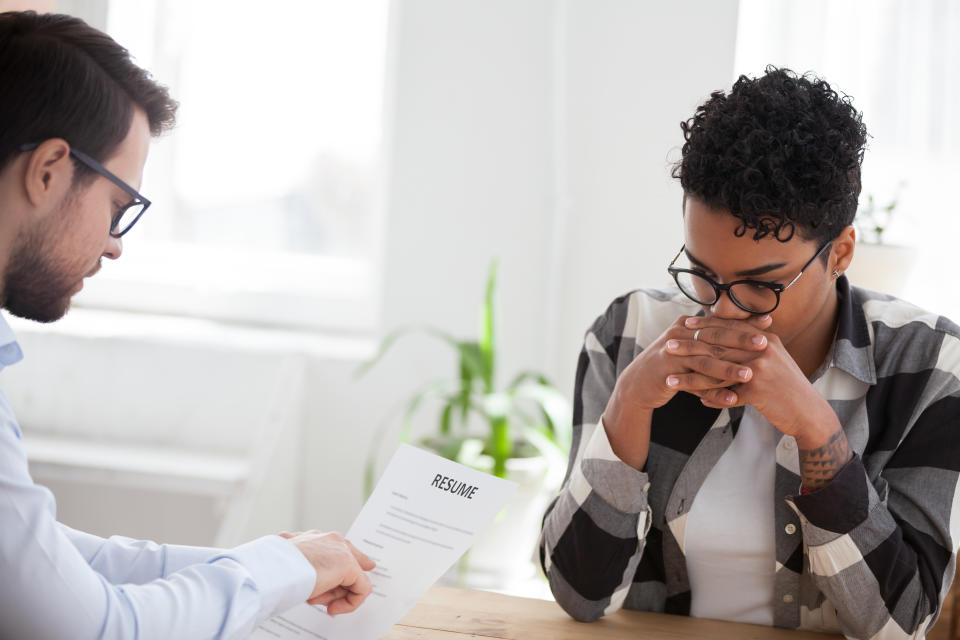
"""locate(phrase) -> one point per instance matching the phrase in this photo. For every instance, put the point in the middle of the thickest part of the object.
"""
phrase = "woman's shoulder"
(890, 311)
(900, 330)
(641, 314)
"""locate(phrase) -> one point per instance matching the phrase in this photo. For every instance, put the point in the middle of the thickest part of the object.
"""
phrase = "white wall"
(634, 71)
(536, 131)
(469, 159)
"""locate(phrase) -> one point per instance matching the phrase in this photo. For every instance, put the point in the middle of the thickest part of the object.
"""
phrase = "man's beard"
(34, 286)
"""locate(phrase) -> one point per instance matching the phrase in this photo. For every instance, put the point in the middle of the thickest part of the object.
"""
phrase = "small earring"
(836, 274)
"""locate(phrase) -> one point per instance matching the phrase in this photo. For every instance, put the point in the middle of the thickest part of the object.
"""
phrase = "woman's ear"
(841, 253)
(48, 176)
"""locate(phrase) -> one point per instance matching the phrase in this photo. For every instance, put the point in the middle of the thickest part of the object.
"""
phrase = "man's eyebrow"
(747, 273)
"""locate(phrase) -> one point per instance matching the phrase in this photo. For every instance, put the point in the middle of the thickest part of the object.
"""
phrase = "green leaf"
(391, 338)
(486, 342)
(385, 345)
(433, 389)
(555, 408)
(449, 448)
(412, 406)
(471, 360)
(445, 416)
(513, 428)
(544, 445)
(520, 414)
(463, 449)
(556, 457)
(471, 368)
(528, 376)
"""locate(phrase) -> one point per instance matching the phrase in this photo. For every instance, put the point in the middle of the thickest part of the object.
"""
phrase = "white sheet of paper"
(422, 516)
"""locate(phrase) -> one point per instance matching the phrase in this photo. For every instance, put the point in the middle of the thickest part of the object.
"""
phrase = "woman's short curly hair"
(781, 152)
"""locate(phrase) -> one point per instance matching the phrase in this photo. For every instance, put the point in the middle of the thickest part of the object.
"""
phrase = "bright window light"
(900, 61)
(266, 193)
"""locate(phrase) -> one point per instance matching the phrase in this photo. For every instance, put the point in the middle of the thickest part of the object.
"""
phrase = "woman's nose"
(724, 307)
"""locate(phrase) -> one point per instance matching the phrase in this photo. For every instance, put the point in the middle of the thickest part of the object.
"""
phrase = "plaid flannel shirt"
(871, 555)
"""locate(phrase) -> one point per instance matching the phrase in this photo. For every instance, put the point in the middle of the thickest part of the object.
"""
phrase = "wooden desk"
(457, 614)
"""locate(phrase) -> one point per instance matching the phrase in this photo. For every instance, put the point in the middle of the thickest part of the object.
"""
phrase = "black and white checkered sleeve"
(593, 532)
(881, 543)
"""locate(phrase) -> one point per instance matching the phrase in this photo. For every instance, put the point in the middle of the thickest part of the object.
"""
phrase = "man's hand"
(779, 390)
(655, 376)
(342, 584)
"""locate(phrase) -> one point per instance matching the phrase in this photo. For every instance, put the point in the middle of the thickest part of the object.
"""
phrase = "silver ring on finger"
(696, 334)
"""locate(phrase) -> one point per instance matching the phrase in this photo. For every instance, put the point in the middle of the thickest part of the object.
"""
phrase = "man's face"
(712, 247)
(52, 256)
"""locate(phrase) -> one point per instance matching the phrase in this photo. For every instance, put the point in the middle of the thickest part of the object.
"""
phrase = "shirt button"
(788, 444)
(788, 598)
(790, 529)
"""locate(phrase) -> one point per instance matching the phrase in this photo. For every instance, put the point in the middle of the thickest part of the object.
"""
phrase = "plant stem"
(500, 445)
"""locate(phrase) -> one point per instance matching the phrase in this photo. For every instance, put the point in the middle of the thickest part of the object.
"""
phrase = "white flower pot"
(504, 553)
(882, 267)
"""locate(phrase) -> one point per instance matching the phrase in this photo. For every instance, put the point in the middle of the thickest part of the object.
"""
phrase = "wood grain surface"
(457, 614)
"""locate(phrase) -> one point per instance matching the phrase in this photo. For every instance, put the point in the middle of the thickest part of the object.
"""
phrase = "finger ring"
(696, 334)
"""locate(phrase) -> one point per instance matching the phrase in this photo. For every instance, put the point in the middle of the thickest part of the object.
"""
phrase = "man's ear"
(841, 253)
(49, 173)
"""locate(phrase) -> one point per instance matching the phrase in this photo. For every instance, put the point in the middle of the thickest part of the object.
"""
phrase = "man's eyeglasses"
(754, 296)
(127, 216)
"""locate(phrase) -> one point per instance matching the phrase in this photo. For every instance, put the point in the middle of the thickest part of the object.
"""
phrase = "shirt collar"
(10, 352)
(852, 350)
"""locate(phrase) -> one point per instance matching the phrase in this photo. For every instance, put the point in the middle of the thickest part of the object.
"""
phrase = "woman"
(764, 443)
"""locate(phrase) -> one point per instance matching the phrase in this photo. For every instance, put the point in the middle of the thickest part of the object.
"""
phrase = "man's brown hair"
(61, 78)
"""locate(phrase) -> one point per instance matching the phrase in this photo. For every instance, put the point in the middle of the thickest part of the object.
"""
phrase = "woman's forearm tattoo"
(819, 466)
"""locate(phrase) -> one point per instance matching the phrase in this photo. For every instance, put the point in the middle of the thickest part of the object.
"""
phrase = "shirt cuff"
(619, 484)
(179, 557)
(283, 576)
(840, 506)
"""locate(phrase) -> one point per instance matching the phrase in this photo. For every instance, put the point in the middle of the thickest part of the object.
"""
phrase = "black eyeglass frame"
(109, 175)
(776, 287)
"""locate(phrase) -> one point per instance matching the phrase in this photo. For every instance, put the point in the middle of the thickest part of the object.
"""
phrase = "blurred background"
(343, 169)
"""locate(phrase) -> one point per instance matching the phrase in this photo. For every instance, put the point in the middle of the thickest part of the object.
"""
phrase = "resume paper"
(423, 515)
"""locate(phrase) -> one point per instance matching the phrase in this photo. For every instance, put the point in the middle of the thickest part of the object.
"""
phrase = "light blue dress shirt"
(59, 583)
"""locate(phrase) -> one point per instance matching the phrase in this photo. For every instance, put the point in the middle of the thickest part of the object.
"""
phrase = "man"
(75, 125)
(764, 443)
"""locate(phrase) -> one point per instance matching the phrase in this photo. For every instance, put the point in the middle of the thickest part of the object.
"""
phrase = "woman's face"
(711, 246)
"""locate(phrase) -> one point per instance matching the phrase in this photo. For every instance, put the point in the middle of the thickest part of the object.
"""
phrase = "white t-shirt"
(729, 542)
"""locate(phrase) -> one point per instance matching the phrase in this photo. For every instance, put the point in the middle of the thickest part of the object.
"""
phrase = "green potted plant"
(520, 431)
(877, 264)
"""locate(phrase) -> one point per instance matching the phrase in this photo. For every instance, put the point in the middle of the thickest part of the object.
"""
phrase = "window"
(900, 61)
(266, 194)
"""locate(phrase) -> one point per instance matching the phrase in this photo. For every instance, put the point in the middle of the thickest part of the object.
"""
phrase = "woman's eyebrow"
(758, 271)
